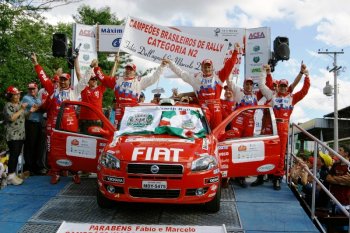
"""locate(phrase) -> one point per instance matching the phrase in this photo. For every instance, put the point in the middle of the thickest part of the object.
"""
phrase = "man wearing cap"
(92, 93)
(127, 89)
(52, 105)
(34, 163)
(208, 85)
(283, 103)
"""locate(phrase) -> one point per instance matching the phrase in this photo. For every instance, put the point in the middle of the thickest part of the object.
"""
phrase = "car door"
(252, 153)
(74, 148)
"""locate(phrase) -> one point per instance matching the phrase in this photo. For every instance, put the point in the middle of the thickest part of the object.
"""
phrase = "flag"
(186, 124)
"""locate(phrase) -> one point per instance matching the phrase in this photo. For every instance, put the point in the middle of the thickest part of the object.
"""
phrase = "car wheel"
(213, 206)
(103, 201)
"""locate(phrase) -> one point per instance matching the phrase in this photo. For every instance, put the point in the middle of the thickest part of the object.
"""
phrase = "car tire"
(213, 206)
(102, 201)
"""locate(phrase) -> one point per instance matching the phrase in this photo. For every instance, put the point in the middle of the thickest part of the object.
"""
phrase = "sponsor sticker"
(64, 162)
(265, 168)
(211, 180)
(114, 179)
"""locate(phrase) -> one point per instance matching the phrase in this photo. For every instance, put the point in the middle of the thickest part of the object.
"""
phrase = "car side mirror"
(97, 130)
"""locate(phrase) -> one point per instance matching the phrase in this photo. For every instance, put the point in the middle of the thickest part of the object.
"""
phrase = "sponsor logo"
(64, 162)
(216, 171)
(111, 30)
(256, 35)
(87, 33)
(216, 31)
(256, 70)
(86, 57)
(211, 180)
(113, 179)
(224, 166)
(265, 168)
(222, 154)
(140, 120)
(75, 142)
(222, 147)
(256, 48)
(242, 148)
(224, 173)
(225, 160)
(86, 46)
(256, 59)
(116, 42)
(154, 169)
(156, 154)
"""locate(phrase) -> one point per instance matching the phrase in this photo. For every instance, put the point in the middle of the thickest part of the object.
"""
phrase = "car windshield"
(185, 122)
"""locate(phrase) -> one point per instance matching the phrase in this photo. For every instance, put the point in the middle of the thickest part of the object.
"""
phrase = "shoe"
(242, 182)
(277, 184)
(14, 180)
(54, 178)
(24, 175)
(259, 181)
(76, 179)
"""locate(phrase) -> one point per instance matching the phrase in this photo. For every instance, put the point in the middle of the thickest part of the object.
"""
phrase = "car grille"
(154, 193)
(164, 169)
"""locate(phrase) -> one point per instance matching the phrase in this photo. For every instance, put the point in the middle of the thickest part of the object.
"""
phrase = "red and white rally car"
(164, 153)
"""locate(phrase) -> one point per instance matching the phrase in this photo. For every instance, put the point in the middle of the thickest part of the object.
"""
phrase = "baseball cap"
(65, 76)
(55, 78)
(248, 79)
(326, 158)
(131, 65)
(12, 90)
(207, 61)
(283, 82)
(32, 86)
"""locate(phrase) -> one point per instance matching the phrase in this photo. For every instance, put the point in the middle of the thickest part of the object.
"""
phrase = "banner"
(154, 42)
(258, 52)
(86, 36)
(109, 37)
(231, 35)
(67, 227)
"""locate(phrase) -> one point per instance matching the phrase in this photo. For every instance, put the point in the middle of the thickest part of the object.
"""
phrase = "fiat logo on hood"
(154, 169)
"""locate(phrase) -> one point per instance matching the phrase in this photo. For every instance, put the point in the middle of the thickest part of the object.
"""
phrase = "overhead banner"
(154, 42)
(109, 37)
(257, 53)
(67, 227)
(85, 37)
(231, 35)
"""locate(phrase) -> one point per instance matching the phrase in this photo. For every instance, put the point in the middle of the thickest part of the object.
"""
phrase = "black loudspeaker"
(281, 48)
(59, 45)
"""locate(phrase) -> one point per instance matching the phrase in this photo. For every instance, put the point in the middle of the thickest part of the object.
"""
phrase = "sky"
(310, 25)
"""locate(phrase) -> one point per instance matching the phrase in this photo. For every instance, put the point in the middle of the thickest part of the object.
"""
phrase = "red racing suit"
(244, 123)
(227, 107)
(127, 90)
(283, 107)
(208, 89)
(52, 104)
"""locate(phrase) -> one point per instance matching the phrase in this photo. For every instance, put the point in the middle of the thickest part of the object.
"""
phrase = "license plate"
(154, 184)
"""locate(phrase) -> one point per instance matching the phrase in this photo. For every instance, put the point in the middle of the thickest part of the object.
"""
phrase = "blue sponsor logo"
(116, 42)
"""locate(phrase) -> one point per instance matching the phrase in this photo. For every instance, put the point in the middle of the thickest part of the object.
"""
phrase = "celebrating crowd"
(25, 120)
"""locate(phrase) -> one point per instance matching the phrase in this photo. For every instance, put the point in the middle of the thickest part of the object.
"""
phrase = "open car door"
(255, 151)
(77, 144)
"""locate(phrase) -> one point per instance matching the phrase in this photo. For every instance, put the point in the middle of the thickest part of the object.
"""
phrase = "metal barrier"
(314, 172)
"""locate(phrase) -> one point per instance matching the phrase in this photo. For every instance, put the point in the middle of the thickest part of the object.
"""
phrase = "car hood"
(160, 148)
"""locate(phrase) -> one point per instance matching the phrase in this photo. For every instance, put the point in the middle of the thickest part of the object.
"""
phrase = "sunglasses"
(93, 79)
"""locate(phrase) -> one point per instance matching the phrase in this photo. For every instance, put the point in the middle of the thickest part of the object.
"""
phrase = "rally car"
(164, 153)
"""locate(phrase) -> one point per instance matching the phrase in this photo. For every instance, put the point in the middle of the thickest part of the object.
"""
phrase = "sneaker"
(277, 184)
(24, 175)
(14, 180)
(54, 178)
(242, 182)
(3, 182)
(76, 179)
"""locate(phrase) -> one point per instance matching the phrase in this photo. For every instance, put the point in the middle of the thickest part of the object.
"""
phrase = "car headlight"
(205, 162)
(108, 160)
